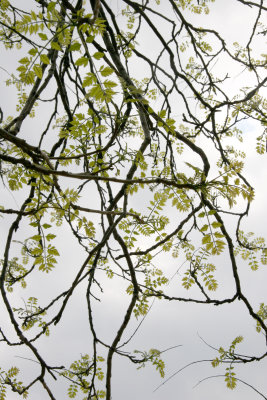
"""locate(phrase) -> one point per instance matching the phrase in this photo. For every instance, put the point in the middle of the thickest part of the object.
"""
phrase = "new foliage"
(134, 153)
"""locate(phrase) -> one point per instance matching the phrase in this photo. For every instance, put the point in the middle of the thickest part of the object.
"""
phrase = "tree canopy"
(123, 152)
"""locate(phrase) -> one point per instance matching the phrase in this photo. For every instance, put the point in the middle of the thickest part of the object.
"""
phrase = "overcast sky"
(168, 324)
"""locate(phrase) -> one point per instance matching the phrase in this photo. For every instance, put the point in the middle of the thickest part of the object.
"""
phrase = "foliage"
(127, 153)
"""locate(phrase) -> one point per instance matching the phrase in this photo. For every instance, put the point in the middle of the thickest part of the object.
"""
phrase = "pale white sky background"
(168, 323)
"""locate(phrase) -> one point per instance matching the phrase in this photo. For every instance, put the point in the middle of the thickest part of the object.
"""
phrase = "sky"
(187, 330)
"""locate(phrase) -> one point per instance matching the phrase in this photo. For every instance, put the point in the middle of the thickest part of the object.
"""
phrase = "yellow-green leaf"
(38, 71)
(51, 5)
(44, 59)
(206, 239)
(24, 60)
(109, 84)
(216, 224)
(98, 55)
(55, 46)
(106, 71)
(82, 61)
(43, 36)
(204, 228)
(75, 47)
(33, 52)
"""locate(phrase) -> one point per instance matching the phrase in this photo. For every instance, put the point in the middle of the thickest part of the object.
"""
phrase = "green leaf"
(34, 16)
(216, 224)
(212, 212)
(33, 52)
(220, 243)
(162, 113)
(38, 71)
(82, 61)
(206, 239)
(43, 36)
(52, 250)
(209, 246)
(96, 92)
(90, 39)
(218, 234)
(34, 224)
(44, 59)
(50, 236)
(51, 5)
(75, 47)
(204, 228)
(55, 46)
(24, 60)
(170, 121)
(109, 84)
(89, 80)
(106, 71)
(98, 55)
(29, 78)
(37, 238)
(37, 251)
(46, 226)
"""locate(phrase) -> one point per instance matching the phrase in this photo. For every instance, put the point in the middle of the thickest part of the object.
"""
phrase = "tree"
(135, 153)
